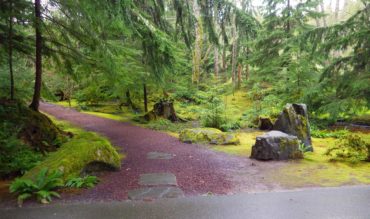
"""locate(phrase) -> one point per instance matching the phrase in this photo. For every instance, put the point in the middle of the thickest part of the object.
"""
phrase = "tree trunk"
(324, 17)
(215, 51)
(288, 20)
(317, 19)
(145, 99)
(234, 52)
(10, 50)
(336, 12)
(197, 44)
(224, 63)
(129, 102)
(38, 75)
(239, 75)
(246, 72)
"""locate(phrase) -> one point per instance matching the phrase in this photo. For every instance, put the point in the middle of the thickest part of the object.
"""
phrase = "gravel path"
(198, 170)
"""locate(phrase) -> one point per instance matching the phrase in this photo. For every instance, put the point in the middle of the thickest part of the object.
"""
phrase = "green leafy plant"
(41, 188)
(231, 125)
(82, 182)
(303, 148)
(350, 148)
(15, 156)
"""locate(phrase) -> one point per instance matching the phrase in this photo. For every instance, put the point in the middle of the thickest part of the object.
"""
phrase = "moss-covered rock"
(293, 120)
(208, 135)
(86, 151)
(276, 145)
(33, 128)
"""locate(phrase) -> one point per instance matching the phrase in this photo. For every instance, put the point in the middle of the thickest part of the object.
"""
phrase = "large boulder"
(293, 120)
(276, 145)
(208, 135)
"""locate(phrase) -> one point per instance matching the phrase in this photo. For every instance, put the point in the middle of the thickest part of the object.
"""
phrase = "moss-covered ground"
(106, 110)
(315, 169)
(83, 148)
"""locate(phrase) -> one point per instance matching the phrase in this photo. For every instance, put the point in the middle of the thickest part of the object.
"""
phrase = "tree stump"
(264, 123)
(164, 109)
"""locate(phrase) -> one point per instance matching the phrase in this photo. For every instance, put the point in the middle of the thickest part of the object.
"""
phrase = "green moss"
(33, 128)
(208, 135)
(84, 148)
(65, 103)
(247, 139)
(316, 170)
(108, 116)
(108, 110)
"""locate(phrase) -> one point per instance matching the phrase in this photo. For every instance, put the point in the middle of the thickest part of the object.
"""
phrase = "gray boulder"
(293, 120)
(276, 145)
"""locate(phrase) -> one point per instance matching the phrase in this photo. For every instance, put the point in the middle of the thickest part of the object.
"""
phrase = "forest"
(219, 73)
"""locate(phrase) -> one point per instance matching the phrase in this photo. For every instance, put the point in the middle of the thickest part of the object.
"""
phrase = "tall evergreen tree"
(280, 57)
(344, 83)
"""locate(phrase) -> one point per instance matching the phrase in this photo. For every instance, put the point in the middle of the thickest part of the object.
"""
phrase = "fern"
(41, 188)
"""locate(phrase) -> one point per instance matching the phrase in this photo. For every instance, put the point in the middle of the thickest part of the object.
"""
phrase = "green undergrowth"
(361, 119)
(82, 149)
(234, 106)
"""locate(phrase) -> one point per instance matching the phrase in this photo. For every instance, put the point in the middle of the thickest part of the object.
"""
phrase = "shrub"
(213, 115)
(328, 134)
(350, 148)
(230, 125)
(15, 156)
(82, 182)
(42, 187)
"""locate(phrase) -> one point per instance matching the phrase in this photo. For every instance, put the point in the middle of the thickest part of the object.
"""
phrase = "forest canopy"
(276, 51)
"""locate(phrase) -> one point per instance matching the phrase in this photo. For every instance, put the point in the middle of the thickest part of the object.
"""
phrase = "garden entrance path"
(183, 169)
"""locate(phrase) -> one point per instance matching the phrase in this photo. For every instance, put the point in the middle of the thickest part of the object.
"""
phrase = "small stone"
(152, 193)
(155, 179)
(155, 155)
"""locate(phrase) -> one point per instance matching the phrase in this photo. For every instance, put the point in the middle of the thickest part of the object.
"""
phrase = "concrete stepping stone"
(155, 155)
(155, 193)
(157, 179)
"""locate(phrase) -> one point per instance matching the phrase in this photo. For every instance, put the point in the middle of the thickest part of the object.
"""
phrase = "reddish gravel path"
(198, 169)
